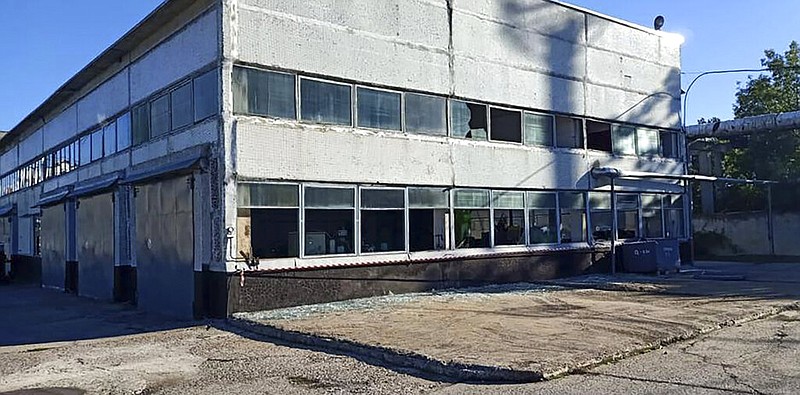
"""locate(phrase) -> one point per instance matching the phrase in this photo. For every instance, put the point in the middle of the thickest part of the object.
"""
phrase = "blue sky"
(44, 42)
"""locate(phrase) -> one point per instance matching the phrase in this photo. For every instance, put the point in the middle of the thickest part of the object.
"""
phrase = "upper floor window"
(538, 129)
(206, 95)
(378, 109)
(506, 125)
(569, 132)
(425, 114)
(468, 120)
(267, 93)
(325, 102)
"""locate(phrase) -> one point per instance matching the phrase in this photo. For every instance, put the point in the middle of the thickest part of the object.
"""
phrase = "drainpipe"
(770, 224)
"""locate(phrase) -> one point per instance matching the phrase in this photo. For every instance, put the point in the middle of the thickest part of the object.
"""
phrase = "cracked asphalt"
(51, 343)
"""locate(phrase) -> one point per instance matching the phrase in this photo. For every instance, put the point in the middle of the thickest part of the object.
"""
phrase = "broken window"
(506, 125)
(378, 109)
(647, 142)
(674, 217)
(267, 93)
(97, 144)
(472, 220)
(572, 208)
(542, 215)
(181, 106)
(267, 221)
(124, 131)
(569, 132)
(206, 95)
(623, 139)
(425, 114)
(325, 102)
(140, 124)
(670, 144)
(627, 216)
(468, 120)
(159, 116)
(428, 219)
(509, 217)
(383, 220)
(598, 136)
(652, 220)
(539, 129)
(329, 220)
(110, 138)
(600, 215)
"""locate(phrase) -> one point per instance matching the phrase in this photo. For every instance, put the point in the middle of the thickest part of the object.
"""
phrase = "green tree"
(774, 155)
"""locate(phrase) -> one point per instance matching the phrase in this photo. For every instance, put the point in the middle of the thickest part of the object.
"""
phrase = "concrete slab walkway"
(528, 332)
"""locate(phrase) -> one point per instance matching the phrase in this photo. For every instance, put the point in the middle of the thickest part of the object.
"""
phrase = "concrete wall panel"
(535, 16)
(105, 101)
(627, 106)
(615, 37)
(185, 52)
(32, 146)
(9, 160)
(61, 128)
(340, 50)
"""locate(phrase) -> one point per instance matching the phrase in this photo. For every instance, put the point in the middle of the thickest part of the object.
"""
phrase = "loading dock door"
(54, 241)
(95, 241)
(165, 247)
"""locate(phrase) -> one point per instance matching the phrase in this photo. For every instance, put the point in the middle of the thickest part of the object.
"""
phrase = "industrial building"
(231, 155)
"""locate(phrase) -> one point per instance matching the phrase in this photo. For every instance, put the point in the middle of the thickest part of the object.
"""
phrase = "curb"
(461, 372)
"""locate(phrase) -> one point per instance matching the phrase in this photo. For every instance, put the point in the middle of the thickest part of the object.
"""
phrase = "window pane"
(572, 200)
(652, 223)
(503, 199)
(538, 129)
(477, 198)
(329, 197)
(627, 201)
(382, 198)
(325, 102)
(472, 228)
(599, 136)
(383, 230)
(428, 229)
(428, 198)
(506, 125)
(268, 233)
(673, 201)
(181, 100)
(141, 124)
(110, 138)
(97, 145)
(573, 224)
(124, 131)
(378, 109)
(601, 225)
(675, 223)
(541, 200)
(624, 140)
(268, 195)
(599, 200)
(669, 144)
(329, 232)
(647, 141)
(569, 132)
(264, 93)
(206, 95)
(543, 226)
(159, 116)
(651, 201)
(468, 120)
(628, 224)
(425, 114)
(509, 227)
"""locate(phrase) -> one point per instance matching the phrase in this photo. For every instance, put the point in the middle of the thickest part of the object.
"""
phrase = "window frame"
(299, 95)
(490, 127)
(446, 124)
(552, 129)
(404, 210)
(355, 111)
(450, 128)
(356, 223)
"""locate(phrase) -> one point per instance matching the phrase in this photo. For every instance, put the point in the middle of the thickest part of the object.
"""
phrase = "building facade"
(230, 155)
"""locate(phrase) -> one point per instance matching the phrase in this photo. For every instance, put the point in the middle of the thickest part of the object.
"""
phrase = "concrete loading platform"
(531, 332)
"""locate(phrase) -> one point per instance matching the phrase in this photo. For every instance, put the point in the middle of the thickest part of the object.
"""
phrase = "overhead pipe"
(748, 125)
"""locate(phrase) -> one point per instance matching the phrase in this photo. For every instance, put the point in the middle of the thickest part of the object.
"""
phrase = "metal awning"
(53, 198)
(94, 186)
(7, 210)
(612, 172)
(163, 170)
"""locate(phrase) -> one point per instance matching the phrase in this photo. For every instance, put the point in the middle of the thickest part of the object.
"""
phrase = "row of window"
(191, 101)
(302, 220)
(275, 94)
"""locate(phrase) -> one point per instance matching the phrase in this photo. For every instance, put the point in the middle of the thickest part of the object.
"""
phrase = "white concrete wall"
(193, 47)
(747, 233)
(61, 128)
(107, 100)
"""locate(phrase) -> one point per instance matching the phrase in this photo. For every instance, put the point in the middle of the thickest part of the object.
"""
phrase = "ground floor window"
(472, 218)
(627, 216)
(572, 210)
(542, 214)
(674, 216)
(383, 220)
(329, 220)
(267, 220)
(509, 217)
(652, 221)
(600, 215)
(428, 219)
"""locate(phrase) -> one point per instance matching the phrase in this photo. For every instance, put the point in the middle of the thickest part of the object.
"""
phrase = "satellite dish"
(658, 23)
